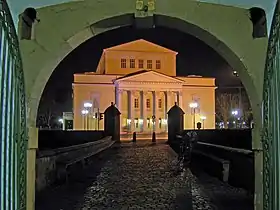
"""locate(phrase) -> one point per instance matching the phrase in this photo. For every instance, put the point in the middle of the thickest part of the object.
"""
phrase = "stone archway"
(83, 20)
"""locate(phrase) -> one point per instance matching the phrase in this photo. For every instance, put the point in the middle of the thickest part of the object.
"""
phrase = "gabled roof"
(148, 76)
(140, 45)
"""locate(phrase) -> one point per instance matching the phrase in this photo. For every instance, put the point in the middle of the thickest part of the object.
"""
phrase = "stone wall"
(53, 139)
(235, 138)
(46, 170)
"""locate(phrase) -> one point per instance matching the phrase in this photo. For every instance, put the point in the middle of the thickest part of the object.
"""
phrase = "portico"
(141, 114)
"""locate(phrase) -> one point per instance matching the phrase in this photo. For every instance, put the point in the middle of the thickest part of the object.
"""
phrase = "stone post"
(31, 167)
(112, 122)
(175, 122)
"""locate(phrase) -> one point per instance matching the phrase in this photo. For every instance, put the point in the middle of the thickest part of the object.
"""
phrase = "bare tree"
(46, 115)
(225, 102)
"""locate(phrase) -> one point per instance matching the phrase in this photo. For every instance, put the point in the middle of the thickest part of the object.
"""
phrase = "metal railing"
(13, 138)
(271, 118)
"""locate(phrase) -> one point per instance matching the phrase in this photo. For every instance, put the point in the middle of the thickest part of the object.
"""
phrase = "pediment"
(149, 76)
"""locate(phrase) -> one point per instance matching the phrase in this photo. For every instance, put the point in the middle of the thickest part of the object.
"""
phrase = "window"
(123, 63)
(158, 66)
(140, 64)
(136, 103)
(148, 103)
(132, 63)
(159, 103)
(149, 64)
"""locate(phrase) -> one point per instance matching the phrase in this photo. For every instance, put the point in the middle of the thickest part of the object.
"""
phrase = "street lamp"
(193, 106)
(203, 118)
(235, 114)
(87, 106)
(85, 113)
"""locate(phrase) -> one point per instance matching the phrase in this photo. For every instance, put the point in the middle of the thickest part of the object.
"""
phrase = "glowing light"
(193, 105)
(234, 112)
(203, 117)
(84, 112)
(60, 120)
(87, 105)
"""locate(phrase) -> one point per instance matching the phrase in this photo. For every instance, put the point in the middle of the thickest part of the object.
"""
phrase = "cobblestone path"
(125, 177)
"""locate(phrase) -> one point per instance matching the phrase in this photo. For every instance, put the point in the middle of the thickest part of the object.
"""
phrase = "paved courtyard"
(124, 177)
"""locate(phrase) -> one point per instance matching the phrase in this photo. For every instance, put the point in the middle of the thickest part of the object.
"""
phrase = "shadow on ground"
(55, 198)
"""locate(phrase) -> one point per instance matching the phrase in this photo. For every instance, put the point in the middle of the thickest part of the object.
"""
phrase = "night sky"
(194, 57)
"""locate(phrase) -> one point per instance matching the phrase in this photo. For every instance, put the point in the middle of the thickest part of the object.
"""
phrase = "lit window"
(136, 103)
(148, 103)
(132, 63)
(140, 64)
(158, 66)
(123, 63)
(159, 103)
(149, 64)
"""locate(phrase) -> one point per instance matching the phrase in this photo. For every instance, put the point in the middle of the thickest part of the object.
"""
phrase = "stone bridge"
(140, 175)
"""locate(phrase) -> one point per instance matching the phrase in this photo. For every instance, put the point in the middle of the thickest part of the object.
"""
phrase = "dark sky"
(194, 57)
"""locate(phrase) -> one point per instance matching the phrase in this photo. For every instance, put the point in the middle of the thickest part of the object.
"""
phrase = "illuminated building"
(140, 78)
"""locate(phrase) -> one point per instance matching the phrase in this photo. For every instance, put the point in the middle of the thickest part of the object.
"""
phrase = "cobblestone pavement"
(125, 177)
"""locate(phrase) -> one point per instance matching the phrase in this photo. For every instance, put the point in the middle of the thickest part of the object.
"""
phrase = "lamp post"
(60, 120)
(193, 106)
(87, 107)
(203, 118)
(235, 114)
(84, 113)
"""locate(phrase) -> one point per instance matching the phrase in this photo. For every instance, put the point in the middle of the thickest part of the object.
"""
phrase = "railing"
(13, 138)
(271, 118)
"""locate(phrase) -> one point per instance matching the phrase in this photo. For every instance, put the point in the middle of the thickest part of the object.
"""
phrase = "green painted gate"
(271, 118)
(13, 138)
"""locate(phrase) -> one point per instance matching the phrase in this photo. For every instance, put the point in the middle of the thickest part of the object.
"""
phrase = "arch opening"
(159, 21)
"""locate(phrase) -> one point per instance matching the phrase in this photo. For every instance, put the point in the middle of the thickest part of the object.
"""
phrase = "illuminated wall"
(142, 96)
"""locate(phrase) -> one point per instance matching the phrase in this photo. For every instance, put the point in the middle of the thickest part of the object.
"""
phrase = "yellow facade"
(140, 78)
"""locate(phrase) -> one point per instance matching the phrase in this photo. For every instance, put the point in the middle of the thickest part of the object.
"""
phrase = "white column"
(143, 111)
(155, 108)
(119, 106)
(180, 96)
(131, 109)
(166, 107)
(168, 96)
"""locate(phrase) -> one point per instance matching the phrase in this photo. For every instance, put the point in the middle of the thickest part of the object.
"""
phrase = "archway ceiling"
(18, 6)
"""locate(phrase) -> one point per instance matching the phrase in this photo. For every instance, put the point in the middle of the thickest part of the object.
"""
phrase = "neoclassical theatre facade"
(139, 77)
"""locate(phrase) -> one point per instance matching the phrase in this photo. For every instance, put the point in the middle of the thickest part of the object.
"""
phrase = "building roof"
(140, 45)
(145, 75)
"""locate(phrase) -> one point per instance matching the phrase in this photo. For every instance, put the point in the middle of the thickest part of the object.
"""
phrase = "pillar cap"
(175, 110)
(112, 110)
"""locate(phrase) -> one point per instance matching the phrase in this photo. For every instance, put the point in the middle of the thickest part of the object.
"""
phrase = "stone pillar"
(155, 108)
(166, 108)
(175, 122)
(31, 167)
(119, 106)
(112, 122)
(180, 97)
(168, 97)
(131, 109)
(143, 111)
